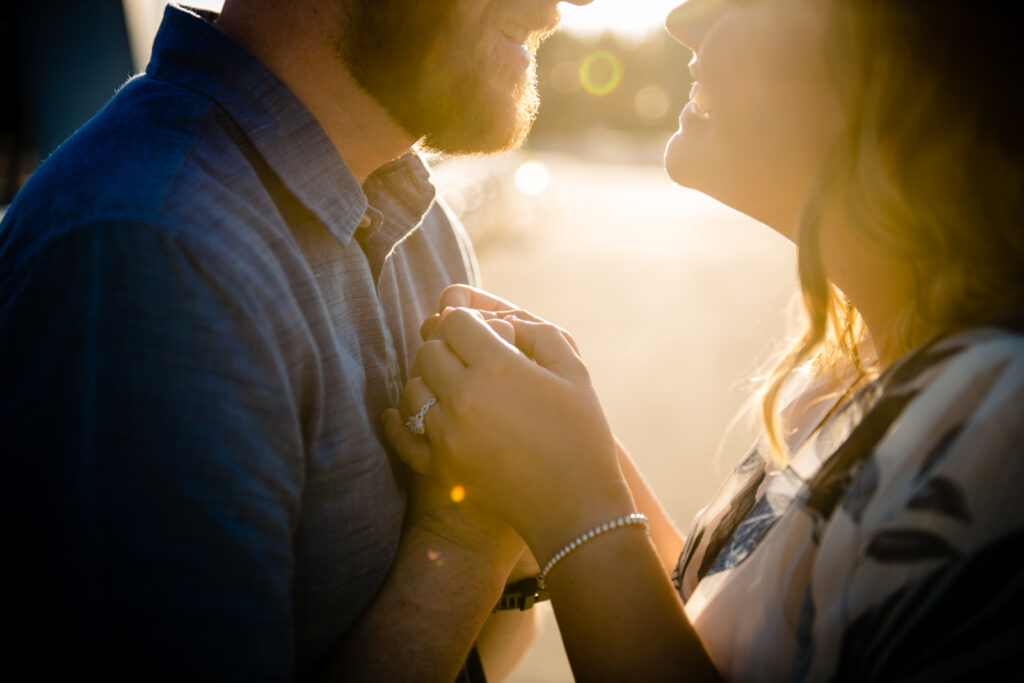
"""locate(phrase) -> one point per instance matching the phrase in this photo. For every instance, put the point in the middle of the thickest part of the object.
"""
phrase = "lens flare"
(565, 77)
(651, 103)
(458, 494)
(601, 73)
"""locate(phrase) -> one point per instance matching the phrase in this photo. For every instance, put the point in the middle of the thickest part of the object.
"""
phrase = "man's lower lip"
(520, 50)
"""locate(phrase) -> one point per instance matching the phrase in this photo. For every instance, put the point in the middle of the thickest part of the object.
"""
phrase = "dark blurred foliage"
(13, 119)
(653, 89)
(60, 61)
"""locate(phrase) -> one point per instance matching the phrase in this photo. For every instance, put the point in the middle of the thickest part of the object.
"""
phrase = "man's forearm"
(427, 615)
(504, 640)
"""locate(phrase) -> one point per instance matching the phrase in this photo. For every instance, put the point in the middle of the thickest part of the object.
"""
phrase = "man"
(208, 296)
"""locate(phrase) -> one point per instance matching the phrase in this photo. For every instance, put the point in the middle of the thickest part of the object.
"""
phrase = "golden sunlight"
(632, 19)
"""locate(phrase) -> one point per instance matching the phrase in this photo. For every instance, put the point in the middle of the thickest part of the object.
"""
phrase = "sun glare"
(633, 19)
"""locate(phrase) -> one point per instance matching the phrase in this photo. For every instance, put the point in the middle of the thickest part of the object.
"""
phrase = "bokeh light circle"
(565, 77)
(651, 103)
(532, 178)
(601, 73)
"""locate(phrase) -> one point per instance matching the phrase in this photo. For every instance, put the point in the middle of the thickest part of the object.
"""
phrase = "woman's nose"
(688, 22)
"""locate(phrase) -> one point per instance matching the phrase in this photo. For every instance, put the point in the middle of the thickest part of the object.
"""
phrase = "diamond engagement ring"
(415, 423)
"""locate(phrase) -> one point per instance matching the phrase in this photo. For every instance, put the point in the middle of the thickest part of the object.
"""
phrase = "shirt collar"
(192, 52)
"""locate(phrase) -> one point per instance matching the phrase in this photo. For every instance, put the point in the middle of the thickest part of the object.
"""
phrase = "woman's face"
(762, 112)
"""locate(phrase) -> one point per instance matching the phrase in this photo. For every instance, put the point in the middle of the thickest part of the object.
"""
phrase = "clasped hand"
(516, 422)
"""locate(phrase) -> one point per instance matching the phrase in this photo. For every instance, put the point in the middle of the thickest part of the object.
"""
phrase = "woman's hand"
(518, 426)
(491, 307)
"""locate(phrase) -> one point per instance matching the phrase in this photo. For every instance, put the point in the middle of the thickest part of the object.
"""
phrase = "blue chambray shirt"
(202, 317)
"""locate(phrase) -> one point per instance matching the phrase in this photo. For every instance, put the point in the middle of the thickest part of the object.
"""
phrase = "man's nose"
(688, 22)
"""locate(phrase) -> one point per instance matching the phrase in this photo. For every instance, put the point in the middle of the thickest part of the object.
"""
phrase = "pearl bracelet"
(635, 519)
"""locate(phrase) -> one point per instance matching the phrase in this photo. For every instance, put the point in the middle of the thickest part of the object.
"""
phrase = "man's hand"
(440, 508)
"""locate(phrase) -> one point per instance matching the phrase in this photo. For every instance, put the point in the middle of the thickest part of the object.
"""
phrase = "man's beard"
(439, 79)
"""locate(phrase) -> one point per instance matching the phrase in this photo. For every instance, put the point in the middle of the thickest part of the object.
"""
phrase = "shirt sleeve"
(936, 593)
(154, 463)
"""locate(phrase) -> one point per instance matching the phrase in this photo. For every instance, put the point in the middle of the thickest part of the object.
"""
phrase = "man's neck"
(302, 54)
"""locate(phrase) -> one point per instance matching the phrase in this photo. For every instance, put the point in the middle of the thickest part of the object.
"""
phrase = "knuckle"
(462, 399)
(430, 350)
(428, 326)
(491, 369)
(455, 290)
(463, 315)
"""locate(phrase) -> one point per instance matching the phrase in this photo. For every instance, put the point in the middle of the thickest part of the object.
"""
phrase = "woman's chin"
(679, 168)
(681, 163)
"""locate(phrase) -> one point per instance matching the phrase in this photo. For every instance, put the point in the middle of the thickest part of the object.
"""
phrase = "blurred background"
(677, 302)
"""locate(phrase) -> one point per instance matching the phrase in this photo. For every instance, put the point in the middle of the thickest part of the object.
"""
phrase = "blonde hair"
(926, 176)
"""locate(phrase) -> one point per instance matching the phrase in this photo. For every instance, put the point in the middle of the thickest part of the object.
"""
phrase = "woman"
(873, 533)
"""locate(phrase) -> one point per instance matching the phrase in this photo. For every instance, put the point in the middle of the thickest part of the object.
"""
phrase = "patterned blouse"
(890, 546)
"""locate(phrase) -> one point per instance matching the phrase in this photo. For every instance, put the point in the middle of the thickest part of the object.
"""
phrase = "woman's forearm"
(620, 617)
(667, 539)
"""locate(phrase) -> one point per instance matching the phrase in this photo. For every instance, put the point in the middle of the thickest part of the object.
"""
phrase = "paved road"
(676, 301)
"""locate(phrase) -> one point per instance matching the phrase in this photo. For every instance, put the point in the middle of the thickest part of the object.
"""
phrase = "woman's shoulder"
(943, 425)
(968, 377)
(1000, 343)
(954, 448)
(966, 386)
(952, 415)
(929, 526)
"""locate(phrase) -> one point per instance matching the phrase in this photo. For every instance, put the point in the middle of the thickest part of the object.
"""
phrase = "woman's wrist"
(551, 532)
(635, 519)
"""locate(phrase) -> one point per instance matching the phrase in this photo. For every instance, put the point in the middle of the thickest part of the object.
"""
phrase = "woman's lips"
(699, 104)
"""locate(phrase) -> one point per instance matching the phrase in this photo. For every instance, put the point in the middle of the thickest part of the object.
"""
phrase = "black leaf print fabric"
(741, 505)
(750, 532)
(888, 548)
(862, 491)
(836, 474)
(936, 455)
(927, 357)
(962, 621)
(909, 545)
(803, 653)
(692, 543)
(942, 496)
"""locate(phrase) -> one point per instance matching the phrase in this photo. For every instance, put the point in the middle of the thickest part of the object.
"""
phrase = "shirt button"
(365, 222)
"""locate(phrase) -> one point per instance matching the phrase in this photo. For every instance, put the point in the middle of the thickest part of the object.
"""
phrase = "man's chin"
(494, 140)
(485, 128)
